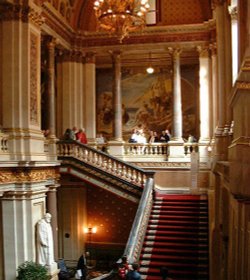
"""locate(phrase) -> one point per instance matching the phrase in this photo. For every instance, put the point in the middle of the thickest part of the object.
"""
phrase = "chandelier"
(121, 17)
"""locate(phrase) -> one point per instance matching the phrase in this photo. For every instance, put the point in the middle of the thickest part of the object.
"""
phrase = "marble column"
(51, 87)
(219, 10)
(177, 105)
(205, 78)
(52, 209)
(214, 86)
(117, 96)
(221, 134)
(90, 96)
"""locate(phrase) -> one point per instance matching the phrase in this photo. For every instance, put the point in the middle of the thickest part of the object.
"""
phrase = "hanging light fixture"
(121, 17)
(150, 69)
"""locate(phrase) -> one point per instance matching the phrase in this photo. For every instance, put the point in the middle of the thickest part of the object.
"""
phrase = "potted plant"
(30, 270)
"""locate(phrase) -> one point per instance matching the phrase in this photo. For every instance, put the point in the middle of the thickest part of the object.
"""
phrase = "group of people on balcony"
(138, 136)
(75, 134)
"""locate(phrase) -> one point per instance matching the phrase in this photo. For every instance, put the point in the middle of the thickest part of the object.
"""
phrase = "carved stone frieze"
(203, 51)
(34, 39)
(246, 65)
(23, 12)
(27, 175)
(243, 85)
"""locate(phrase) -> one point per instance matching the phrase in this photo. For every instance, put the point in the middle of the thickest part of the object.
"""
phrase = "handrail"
(103, 161)
(137, 233)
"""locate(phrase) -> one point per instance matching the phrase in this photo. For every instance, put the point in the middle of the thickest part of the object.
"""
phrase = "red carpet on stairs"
(177, 237)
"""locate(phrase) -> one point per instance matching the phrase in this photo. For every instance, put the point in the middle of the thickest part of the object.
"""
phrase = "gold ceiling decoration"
(121, 17)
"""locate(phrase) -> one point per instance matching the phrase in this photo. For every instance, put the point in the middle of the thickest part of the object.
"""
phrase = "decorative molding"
(243, 85)
(34, 39)
(9, 12)
(246, 65)
(27, 175)
(203, 51)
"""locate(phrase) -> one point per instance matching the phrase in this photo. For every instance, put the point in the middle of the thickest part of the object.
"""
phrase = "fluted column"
(90, 96)
(51, 87)
(177, 105)
(117, 96)
(52, 209)
(214, 103)
(219, 11)
(204, 76)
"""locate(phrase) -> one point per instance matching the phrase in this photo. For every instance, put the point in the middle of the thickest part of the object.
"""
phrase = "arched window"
(152, 15)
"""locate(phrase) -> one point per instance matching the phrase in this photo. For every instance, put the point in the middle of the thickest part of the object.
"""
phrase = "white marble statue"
(45, 247)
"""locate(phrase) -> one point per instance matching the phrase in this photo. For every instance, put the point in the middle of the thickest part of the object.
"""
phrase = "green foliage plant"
(30, 270)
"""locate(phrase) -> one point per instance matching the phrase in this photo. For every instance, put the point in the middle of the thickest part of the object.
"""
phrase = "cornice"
(159, 34)
(56, 23)
(27, 175)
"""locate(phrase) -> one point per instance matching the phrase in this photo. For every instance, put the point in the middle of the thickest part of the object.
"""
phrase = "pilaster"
(20, 71)
(90, 96)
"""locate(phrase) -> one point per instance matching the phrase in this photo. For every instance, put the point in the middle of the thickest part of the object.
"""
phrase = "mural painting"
(146, 103)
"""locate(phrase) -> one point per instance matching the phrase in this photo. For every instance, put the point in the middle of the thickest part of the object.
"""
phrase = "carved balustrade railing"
(4, 138)
(191, 147)
(154, 149)
(103, 161)
(139, 227)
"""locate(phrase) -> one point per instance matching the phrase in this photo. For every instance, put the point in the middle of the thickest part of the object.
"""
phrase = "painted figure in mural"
(45, 247)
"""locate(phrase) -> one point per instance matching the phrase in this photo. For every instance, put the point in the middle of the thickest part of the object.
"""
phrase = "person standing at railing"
(81, 136)
(164, 138)
(69, 134)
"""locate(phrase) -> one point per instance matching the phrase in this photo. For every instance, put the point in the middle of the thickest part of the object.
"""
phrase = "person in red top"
(81, 136)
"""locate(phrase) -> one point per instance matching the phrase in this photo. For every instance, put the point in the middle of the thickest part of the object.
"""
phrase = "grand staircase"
(177, 238)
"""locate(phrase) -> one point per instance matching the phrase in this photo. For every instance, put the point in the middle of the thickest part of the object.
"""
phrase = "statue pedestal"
(53, 271)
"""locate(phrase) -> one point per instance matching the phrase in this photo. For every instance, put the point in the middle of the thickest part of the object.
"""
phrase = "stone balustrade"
(103, 161)
(4, 138)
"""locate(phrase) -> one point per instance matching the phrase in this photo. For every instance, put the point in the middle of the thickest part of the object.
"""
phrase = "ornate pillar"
(177, 106)
(214, 99)
(117, 96)
(205, 78)
(51, 87)
(90, 96)
(52, 209)
(221, 134)
(20, 71)
(219, 10)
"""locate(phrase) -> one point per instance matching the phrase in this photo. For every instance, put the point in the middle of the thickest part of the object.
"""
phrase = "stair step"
(175, 252)
(192, 213)
(188, 240)
(163, 217)
(173, 245)
(172, 233)
(173, 271)
(177, 227)
(170, 264)
(180, 208)
(178, 259)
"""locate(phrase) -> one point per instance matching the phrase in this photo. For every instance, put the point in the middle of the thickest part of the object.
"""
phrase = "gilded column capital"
(90, 57)
(24, 13)
(70, 56)
(213, 49)
(174, 52)
(233, 11)
(203, 51)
